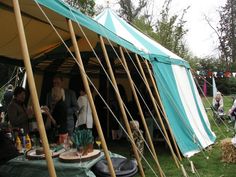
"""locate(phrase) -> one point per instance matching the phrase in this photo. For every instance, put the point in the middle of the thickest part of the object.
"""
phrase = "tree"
(129, 11)
(85, 6)
(227, 32)
(168, 31)
(171, 32)
(144, 26)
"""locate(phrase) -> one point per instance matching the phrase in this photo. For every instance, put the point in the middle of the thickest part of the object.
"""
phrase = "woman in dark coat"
(58, 114)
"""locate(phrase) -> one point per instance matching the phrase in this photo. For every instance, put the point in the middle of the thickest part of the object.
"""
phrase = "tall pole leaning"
(32, 89)
(162, 107)
(120, 102)
(157, 111)
(140, 112)
(91, 102)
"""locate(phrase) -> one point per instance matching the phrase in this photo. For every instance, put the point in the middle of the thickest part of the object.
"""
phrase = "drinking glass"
(98, 142)
(66, 144)
(80, 153)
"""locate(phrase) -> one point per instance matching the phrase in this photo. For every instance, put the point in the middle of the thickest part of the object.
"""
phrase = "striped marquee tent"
(49, 35)
(182, 103)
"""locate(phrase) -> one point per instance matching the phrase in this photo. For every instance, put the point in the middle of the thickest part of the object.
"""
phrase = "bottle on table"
(28, 144)
(34, 141)
(18, 144)
(22, 137)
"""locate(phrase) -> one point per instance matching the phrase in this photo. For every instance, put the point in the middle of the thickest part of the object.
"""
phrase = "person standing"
(58, 115)
(17, 112)
(84, 115)
(69, 97)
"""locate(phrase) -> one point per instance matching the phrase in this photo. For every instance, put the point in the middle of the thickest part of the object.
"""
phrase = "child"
(138, 137)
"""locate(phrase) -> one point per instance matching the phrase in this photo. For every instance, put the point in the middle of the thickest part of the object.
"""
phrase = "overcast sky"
(201, 39)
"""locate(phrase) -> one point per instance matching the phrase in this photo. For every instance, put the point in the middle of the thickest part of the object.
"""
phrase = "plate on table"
(38, 154)
(72, 156)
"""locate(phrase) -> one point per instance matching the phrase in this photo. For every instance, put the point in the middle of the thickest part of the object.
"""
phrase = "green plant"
(82, 137)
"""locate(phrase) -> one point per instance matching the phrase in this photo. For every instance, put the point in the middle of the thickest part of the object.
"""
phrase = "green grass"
(206, 167)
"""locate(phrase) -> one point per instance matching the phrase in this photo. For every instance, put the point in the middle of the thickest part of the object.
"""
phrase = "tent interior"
(51, 54)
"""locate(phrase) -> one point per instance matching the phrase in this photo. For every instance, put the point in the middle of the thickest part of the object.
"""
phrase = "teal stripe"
(209, 133)
(168, 60)
(171, 100)
(109, 23)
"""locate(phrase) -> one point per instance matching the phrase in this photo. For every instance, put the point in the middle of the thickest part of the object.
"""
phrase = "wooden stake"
(157, 111)
(192, 166)
(140, 111)
(184, 171)
(162, 107)
(32, 89)
(121, 107)
(91, 102)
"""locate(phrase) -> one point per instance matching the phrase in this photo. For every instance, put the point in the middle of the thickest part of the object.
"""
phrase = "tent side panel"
(188, 98)
(173, 106)
(201, 109)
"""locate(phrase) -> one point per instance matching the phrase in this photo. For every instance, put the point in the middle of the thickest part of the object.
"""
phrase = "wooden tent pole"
(121, 106)
(91, 102)
(140, 111)
(32, 88)
(162, 107)
(157, 111)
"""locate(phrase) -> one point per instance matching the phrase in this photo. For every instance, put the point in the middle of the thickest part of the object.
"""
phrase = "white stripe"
(187, 98)
(190, 153)
(101, 18)
(201, 106)
(125, 34)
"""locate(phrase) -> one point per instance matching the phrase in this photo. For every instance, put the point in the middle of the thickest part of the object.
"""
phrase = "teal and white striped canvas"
(181, 100)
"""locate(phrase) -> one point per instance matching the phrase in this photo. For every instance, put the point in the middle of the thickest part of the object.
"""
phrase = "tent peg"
(183, 171)
(192, 166)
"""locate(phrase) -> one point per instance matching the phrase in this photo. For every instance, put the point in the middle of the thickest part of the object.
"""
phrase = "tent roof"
(45, 47)
(113, 22)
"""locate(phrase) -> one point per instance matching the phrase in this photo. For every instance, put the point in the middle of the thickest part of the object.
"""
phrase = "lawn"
(207, 163)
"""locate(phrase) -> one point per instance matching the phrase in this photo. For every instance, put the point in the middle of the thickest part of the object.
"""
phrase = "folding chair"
(218, 116)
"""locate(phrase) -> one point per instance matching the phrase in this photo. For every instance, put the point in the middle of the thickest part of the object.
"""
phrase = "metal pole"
(162, 107)
(32, 89)
(157, 111)
(140, 111)
(91, 102)
(121, 107)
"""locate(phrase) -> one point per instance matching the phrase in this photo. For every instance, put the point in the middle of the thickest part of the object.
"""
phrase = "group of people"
(218, 106)
(58, 113)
